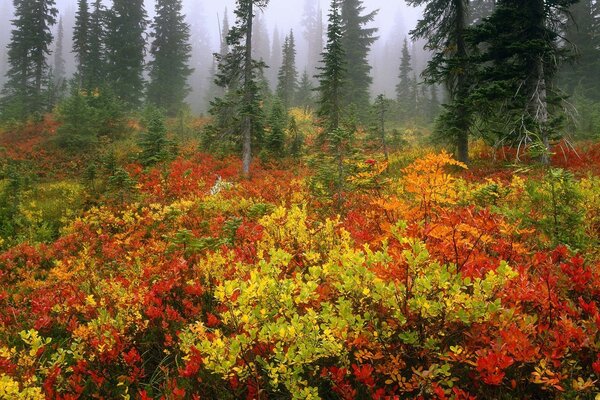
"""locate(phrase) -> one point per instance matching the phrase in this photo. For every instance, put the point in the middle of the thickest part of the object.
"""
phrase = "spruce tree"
(171, 51)
(356, 42)
(287, 82)
(443, 25)
(333, 71)
(81, 40)
(239, 110)
(312, 22)
(403, 86)
(277, 121)
(304, 95)
(23, 93)
(95, 69)
(522, 78)
(125, 47)
(583, 32)
(59, 60)
(155, 145)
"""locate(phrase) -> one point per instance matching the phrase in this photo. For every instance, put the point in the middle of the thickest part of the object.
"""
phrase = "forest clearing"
(301, 236)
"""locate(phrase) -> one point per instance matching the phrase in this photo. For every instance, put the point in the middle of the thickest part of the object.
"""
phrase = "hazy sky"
(285, 14)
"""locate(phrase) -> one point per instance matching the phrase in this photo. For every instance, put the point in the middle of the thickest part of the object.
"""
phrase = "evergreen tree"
(304, 95)
(277, 121)
(521, 78)
(125, 47)
(333, 71)
(312, 22)
(94, 72)
(239, 110)
(27, 53)
(261, 46)
(288, 75)
(59, 60)
(81, 40)
(443, 25)
(276, 58)
(171, 51)
(356, 42)
(155, 145)
(583, 32)
(403, 86)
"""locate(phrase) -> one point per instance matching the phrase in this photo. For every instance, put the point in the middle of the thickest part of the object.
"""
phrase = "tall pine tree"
(404, 82)
(239, 110)
(171, 51)
(333, 71)
(522, 78)
(125, 47)
(443, 25)
(81, 40)
(356, 41)
(287, 82)
(27, 53)
(583, 32)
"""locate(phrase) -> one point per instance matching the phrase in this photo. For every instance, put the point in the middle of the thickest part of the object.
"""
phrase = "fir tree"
(171, 51)
(403, 86)
(239, 110)
(276, 58)
(521, 78)
(27, 53)
(333, 71)
(81, 40)
(583, 32)
(59, 60)
(277, 121)
(288, 75)
(153, 142)
(356, 42)
(125, 47)
(94, 72)
(312, 22)
(443, 25)
(304, 95)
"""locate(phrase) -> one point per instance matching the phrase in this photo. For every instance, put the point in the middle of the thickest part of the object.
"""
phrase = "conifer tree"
(153, 142)
(288, 75)
(277, 121)
(304, 95)
(171, 51)
(312, 22)
(239, 110)
(276, 58)
(403, 86)
(333, 71)
(59, 60)
(81, 40)
(27, 53)
(443, 25)
(356, 42)
(94, 73)
(522, 78)
(125, 47)
(583, 32)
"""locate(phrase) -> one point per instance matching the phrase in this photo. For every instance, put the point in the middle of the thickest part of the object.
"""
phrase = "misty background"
(394, 20)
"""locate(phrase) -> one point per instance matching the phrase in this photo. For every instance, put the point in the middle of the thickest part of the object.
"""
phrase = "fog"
(394, 20)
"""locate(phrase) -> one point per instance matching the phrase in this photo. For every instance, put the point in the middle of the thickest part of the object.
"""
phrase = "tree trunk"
(248, 118)
(461, 89)
(540, 110)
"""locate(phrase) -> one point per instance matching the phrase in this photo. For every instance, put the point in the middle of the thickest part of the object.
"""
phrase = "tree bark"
(248, 118)
(461, 89)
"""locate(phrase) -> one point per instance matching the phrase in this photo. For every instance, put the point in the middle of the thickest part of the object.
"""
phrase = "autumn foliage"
(194, 284)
